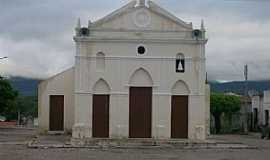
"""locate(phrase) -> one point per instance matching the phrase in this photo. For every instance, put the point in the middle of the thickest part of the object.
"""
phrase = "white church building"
(139, 73)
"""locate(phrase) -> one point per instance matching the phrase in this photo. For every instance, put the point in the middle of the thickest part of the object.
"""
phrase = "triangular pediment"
(151, 17)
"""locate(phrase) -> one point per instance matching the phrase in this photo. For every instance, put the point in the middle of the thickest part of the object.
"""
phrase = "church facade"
(139, 73)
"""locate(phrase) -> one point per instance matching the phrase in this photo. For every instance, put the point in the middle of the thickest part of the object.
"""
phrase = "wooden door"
(101, 116)
(56, 113)
(255, 116)
(179, 117)
(140, 112)
(266, 117)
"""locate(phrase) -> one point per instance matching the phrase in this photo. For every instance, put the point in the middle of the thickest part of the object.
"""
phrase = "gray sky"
(36, 35)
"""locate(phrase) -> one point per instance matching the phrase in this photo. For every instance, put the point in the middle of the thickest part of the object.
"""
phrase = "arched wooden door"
(140, 104)
(101, 104)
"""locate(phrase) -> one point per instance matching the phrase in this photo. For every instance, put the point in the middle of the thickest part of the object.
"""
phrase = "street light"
(3, 57)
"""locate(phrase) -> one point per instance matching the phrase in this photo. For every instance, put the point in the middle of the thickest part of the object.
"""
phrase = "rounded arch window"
(100, 54)
(180, 63)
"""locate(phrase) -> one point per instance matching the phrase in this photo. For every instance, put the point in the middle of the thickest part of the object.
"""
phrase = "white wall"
(121, 61)
(266, 100)
(61, 84)
(262, 103)
(266, 104)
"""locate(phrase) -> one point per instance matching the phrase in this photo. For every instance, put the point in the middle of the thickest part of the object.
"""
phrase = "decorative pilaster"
(203, 29)
(78, 27)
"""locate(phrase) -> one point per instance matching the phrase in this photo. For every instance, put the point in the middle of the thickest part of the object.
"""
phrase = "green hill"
(25, 86)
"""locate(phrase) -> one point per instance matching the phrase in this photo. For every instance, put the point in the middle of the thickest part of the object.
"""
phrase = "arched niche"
(100, 61)
(101, 87)
(180, 56)
(180, 88)
(141, 78)
(180, 63)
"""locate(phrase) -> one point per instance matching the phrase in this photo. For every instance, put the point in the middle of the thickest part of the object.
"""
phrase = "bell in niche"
(180, 66)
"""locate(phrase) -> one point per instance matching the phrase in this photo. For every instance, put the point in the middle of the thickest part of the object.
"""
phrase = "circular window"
(141, 50)
(84, 31)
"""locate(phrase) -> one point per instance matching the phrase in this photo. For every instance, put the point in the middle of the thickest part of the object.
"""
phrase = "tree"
(226, 104)
(27, 106)
(7, 98)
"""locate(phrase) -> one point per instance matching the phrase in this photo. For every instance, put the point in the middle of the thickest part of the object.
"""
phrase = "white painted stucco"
(61, 84)
(107, 62)
(262, 103)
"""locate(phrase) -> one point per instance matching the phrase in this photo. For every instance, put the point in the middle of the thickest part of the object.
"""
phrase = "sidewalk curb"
(13, 143)
(185, 146)
(138, 147)
(16, 127)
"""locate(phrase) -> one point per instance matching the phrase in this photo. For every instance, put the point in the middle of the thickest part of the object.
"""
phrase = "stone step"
(138, 144)
(147, 143)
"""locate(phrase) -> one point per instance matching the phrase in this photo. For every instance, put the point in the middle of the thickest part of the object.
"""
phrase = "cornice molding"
(143, 30)
(78, 92)
(153, 7)
(145, 40)
(125, 9)
(163, 12)
(188, 59)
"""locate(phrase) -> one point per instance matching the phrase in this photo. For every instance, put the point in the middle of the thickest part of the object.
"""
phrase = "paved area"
(251, 139)
(21, 152)
(15, 135)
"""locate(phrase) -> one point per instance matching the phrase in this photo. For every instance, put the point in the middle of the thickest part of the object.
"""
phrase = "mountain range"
(238, 87)
(25, 86)
(28, 87)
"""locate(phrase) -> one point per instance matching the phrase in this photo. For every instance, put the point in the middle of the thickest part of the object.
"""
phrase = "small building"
(244, 117)
(261, 108)
(139, 73)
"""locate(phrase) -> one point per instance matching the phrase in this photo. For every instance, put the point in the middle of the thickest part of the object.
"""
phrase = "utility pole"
(246, 100)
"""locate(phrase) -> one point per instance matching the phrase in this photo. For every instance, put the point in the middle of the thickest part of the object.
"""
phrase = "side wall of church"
(61, 84)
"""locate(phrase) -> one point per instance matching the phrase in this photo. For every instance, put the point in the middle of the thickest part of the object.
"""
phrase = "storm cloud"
(36, 35)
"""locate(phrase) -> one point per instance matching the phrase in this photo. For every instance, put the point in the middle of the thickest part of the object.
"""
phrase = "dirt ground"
(12, 147)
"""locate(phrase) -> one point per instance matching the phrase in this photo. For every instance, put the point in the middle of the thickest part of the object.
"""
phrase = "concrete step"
(150, 143)
(138, 144)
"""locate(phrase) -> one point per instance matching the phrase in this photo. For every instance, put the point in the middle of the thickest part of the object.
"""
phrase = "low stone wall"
(6, 124)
